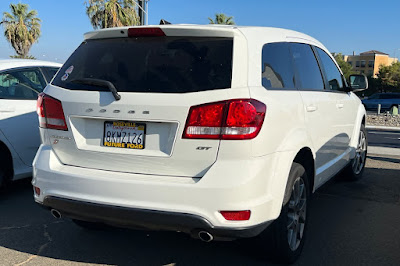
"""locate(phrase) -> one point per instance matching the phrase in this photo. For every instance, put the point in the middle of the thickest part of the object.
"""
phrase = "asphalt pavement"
(351, 223)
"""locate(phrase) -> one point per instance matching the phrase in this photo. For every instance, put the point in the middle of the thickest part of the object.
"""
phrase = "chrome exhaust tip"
(56, 214)
(205, 236)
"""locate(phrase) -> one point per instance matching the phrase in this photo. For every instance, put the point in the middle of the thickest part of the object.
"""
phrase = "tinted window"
(21, 84)
(332, 73)
(277, 66)
(309, 74)
(49, 72)
(151, 64)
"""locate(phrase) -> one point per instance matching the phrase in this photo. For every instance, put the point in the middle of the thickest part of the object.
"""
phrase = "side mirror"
(358, 83)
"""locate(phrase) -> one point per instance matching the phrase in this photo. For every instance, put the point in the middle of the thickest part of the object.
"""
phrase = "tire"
(288, 232)
(3, 178)
(89, 225)
(355, 168)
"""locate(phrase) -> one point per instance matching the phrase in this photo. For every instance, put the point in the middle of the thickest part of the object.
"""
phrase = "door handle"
(339, 105)
(311, 108)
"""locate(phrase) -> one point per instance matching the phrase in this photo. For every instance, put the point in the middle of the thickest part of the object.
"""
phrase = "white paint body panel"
(232, 175)
(19, 122)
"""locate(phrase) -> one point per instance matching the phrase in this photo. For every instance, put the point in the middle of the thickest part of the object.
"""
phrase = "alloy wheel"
(297, 214)
(361, 154)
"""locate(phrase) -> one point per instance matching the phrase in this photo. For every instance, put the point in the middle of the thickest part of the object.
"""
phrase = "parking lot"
(351, 223)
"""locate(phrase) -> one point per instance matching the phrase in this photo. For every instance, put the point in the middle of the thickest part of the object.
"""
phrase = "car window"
(309, 74)
(277, 66)
(49, 72)
(21, 84)
(374, 96)
(332, 73)
(151, 64)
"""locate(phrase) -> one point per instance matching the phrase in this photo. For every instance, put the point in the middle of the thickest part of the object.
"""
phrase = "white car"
(20, 83)
(221, 132)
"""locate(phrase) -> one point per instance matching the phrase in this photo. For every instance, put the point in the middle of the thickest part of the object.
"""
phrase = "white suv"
(216, 131)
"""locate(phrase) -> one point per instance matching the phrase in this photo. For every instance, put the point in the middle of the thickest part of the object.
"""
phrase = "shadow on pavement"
(385, 159)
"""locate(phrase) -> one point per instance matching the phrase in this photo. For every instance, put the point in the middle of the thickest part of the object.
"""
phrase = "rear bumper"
(147, 219)
(166, 202)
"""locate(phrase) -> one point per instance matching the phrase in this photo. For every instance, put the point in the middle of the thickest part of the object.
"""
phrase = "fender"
(361, 113)
(289, 148)
(20, 170)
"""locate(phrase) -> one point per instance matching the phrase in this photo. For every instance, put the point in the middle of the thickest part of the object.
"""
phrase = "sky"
(341, 25)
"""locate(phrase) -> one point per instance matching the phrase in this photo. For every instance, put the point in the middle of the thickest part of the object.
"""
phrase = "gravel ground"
(383, 120)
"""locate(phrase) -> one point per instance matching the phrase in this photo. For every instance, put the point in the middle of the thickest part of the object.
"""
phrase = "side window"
(49, 72)
(332, 73)
(21, 84)
(277, 66)
(309, 74)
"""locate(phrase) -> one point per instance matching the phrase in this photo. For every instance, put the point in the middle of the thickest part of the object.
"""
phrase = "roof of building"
(373, 52)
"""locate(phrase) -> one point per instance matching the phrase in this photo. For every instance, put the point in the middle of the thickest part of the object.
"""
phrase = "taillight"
(233, 119)
(145, 32)
(236, 215)
(50, 112)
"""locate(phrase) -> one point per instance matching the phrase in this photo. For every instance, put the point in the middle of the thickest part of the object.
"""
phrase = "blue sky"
(342, 26)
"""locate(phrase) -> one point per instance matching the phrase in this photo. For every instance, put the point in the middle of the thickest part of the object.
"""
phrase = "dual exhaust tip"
(203, 235)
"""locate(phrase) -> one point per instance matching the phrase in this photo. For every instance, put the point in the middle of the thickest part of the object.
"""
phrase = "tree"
(221, 18)
(112, 13)
(346, 67)
(21, 28)
(389, 77)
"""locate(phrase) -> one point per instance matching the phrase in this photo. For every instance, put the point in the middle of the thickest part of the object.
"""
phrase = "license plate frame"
(117, 141)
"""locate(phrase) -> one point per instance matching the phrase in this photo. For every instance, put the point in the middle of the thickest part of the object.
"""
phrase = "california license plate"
(124, 134)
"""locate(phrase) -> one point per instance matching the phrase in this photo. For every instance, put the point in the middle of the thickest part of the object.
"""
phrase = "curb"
(374, 150)
(383, 128)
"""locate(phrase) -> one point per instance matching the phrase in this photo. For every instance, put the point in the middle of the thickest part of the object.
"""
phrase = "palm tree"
(112, 13)
(21, 28)
(221, 18)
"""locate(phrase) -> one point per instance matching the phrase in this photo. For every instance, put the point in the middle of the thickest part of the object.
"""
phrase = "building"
(368, 63)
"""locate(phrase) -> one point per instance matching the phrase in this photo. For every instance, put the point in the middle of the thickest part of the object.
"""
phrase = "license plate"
(124, 134)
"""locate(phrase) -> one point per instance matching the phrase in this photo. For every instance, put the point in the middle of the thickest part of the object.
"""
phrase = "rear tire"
(355, 168)
(6, 172)
(283, 241)
(3, 178)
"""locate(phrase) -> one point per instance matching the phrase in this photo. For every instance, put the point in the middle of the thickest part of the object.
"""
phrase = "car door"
(344, 113)
(18, 119)
(319, 110)
(372, 102)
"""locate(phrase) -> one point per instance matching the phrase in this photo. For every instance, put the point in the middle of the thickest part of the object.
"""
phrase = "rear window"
(151, 64)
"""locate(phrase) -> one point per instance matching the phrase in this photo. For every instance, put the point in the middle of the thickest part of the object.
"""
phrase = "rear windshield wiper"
(100, 83)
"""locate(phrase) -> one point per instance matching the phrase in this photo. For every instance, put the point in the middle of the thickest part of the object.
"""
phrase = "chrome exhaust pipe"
(56, 214)
(205, 236)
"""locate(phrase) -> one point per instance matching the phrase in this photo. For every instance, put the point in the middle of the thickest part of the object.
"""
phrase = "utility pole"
(143, 13)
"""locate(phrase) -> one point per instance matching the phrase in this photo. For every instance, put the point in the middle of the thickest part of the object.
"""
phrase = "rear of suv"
(220, 132)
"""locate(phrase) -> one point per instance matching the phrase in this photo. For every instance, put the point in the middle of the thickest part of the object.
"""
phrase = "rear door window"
(23, 84)
(49, 72)
(309, 74)
(277, 66)
(151, 64)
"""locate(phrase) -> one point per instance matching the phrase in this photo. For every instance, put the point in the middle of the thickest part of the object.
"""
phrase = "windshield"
(151, 64)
